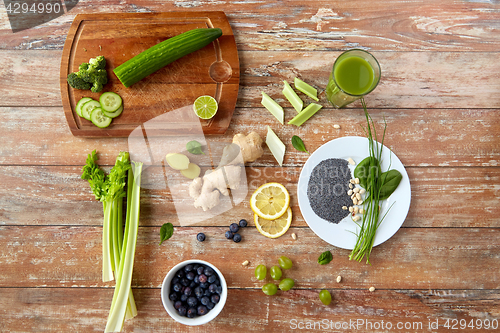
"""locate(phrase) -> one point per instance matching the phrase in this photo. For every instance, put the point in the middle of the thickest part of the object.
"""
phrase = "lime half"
(205, 107)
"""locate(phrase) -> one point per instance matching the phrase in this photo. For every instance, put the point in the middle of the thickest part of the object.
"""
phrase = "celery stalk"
(292, 97)
(107, 261)
(276, 146)
(306, 89)
(307, 113)
(122, 292)
(273, 107)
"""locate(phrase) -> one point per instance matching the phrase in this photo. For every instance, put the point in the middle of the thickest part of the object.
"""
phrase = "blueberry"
(177, 305)
(209, 271)
(204, 300)
(184, 297)
(188, 268)
(180, 274)
(192, 301)
(173, 296)
(200, 237)
(212, 288)
(200, 270)
(210, 305)
(215, 298)
(219, 290)
(175, 280)
(234, 228)
(237, 238)
(177, 287)
(193, 285)
(191, 313)
(187, 291)
(204, 285)
(212, 278)
(229, 234)
(185, 282)
(190, 276)
(208, 292)
(202, 310)
(196, 279)
(243, 223)
(182, 311)
(202, 278)
(198, 292)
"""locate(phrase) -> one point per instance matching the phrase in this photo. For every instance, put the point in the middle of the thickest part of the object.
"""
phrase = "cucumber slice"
(99, 119)
(88, 107)
(80, 103)
(113, 114)
(110, 101)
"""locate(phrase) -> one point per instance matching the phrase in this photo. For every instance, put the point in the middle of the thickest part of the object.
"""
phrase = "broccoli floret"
(76, 82)
(91, 75)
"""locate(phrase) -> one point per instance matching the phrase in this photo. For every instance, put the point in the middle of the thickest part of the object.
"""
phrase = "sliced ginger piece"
(177, 161)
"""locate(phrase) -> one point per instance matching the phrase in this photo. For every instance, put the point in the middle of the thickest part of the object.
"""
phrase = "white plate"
(341, 235)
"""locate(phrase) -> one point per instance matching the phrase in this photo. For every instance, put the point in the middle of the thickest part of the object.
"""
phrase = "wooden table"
(438, 94)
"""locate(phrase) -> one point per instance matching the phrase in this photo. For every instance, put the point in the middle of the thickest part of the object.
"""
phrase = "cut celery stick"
(307, 113)
(292, 97)
(306, 89)
(276, 146)
(273, 107)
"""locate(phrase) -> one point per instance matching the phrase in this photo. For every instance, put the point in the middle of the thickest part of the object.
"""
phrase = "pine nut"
(356, 180)
(344, 207)
(294, 236)
(245, 263)
(358, 196)
(372, 289)
(349, 192)
(339, 278)
(351, 209)
(351, 161)
(356, 218)
(337, 126)
(362, 191)
(356, 190)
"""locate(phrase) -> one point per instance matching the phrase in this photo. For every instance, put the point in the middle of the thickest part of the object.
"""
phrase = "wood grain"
(414, 258)
(427, 25)
(50, 309)
(52, 195)
(401, 86)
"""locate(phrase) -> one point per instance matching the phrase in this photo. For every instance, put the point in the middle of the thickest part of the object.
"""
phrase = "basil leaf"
(166, 231)
(390, 181)
(325, 258)
(194, 147)
(298, 144)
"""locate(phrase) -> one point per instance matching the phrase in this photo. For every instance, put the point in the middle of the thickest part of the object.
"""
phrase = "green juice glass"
(355, 74)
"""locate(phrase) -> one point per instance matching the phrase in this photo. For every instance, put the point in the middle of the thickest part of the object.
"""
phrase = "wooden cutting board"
(212, 70)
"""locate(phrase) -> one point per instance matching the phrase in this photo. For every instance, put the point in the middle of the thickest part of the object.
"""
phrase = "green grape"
(269, 289)
(276, 272)
(286, 284)
(285, 263)
(260, 272)
(325, 297)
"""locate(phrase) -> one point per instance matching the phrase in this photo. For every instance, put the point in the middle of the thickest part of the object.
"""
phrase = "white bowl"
(169, 306)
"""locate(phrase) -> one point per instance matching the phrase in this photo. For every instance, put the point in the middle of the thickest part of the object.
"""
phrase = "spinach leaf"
(325, 258)
(194, 147)
(366, 168)
(390, 181)
(298, 144)
(166, 231)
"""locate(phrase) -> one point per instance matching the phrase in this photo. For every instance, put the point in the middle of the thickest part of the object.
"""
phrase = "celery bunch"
(118, 246)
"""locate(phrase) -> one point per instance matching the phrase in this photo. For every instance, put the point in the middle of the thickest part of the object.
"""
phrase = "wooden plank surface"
(438, 94)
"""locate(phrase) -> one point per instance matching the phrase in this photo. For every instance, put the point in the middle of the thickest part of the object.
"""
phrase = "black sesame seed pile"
(327, 189)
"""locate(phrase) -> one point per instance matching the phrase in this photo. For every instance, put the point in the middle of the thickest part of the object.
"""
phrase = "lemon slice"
(274, 228)
(205, 107)
(270, 201)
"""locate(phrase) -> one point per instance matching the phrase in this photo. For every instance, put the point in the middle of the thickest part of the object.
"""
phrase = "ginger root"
(205, 191)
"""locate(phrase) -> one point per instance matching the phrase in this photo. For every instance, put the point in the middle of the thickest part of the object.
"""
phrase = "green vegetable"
(325, 258)
(88, 107)
(305, 114)
(166, 231)
(276, 146)
(373, 180)
(194, 147)
(98, 118)
(273, 107)
(117, 249)
(285, 262)
(276, 272)
(325, 297)
(110, 101)
(260, 272)
(292, 97)
(286, 284)
(306, 89)
(270, 289)
(164, 53)
(91, 75)
(298, 144)
(80, 103)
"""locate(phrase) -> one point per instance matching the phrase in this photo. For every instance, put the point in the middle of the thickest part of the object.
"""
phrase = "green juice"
(354, 75)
